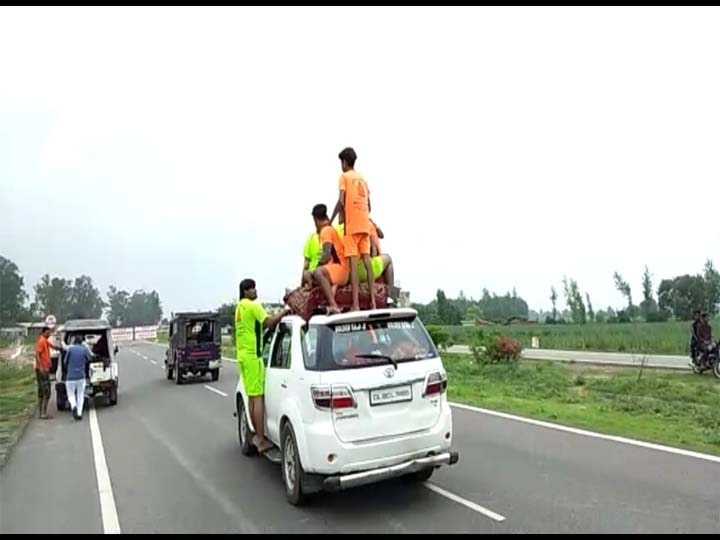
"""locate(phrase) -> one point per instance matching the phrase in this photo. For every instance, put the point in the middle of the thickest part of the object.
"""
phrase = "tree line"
(76, 298)
(491, 307)
(677, 298)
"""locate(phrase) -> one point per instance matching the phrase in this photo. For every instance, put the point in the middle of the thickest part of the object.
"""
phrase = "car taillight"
(335, 397)
(435, 383)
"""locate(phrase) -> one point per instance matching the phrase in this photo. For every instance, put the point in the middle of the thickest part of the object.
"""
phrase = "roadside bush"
(495, 348)
(440, 337)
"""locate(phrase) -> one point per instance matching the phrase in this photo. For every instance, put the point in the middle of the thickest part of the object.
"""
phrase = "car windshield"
(366, 343)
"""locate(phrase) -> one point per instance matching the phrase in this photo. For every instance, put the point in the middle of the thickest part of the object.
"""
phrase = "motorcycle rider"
(694, 336)
(704, 338)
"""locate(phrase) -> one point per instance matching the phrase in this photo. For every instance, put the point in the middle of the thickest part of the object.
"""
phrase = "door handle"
(283, 385)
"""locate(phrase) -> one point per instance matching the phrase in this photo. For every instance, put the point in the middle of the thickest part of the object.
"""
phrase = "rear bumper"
(101, 385)
(340, 482)
(196, 365)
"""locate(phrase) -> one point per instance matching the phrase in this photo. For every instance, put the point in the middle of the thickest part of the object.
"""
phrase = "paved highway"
(603, 358)
(166, 459)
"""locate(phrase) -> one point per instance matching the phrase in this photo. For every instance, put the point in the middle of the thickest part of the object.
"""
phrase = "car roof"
(85, 324)
(195, 315)
(365, 315)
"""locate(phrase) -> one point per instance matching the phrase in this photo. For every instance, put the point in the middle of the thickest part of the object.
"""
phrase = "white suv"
(352, 399)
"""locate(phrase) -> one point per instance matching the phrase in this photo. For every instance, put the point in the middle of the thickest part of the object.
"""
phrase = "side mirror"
(115, 350)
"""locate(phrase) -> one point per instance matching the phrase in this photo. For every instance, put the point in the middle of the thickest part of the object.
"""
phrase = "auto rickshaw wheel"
(215, 373)
(112, 395)
(178, 375)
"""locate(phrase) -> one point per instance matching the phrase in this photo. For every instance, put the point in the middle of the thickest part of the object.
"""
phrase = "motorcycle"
(709, 361)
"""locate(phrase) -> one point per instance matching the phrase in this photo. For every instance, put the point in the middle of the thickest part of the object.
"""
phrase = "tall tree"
(85, 300)
(574, 300)
(143, 309)
(118, 304)
(624, 288)
(648, 307)
(590, 312)
(12, 292)
(52, 297)
(712, 288)
(682, 295)
(553, 299)
(447, 312)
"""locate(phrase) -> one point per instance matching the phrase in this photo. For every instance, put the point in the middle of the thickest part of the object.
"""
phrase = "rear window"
(199, 331)
(332, 347)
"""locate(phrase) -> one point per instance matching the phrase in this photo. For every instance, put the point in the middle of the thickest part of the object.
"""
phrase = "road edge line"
(586, 433)
(108, 510)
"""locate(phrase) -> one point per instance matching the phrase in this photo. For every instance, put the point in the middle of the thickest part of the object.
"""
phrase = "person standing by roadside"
(78, 358)
(43, 363)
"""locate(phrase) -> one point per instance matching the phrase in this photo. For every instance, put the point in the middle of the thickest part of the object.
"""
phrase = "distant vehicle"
(194, 346)
(352, 399)
(102, 372)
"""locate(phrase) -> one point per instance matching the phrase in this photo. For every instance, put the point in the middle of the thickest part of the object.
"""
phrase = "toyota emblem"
(389, 372)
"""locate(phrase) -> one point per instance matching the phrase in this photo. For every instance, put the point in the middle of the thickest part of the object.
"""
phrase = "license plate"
(396, 394)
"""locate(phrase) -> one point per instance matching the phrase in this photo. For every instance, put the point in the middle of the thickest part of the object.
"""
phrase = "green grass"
(654, 338)
(18, 394)
(664, 407)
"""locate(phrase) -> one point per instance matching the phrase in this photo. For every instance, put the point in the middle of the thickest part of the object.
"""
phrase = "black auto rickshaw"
(194, 346)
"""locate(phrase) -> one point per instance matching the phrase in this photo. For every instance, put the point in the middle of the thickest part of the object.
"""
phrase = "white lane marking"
(153, 362)
(111, 525)
(144, 357)
(469, 504)
(223, 394)
(576, 431)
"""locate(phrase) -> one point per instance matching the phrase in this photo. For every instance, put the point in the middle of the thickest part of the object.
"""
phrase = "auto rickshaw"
(194, 346)
(102, 371)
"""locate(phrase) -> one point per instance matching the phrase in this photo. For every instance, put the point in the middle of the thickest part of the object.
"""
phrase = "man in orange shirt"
(354, 200)
(332, 270)
(42, 370)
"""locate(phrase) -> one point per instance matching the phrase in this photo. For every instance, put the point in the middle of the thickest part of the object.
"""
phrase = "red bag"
(307, 303)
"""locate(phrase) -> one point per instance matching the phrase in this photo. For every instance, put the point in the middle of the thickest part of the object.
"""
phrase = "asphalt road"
(175, 467)
(602, 358)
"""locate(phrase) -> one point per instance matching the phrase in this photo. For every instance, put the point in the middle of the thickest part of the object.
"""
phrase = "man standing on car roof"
(250, 322)
(354, 200)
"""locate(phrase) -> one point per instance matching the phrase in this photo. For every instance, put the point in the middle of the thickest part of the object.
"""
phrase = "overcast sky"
(183, 149)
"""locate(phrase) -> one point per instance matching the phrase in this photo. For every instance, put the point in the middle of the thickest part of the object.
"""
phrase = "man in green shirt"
(250, 323)
(311, 258)
(312, 253)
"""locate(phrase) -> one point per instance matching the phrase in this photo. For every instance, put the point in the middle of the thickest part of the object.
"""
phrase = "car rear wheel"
(421, 476)
(61, 401)
(178, 375)
(215, 374)
(113, 396)
(292, 471)
(244, 433)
